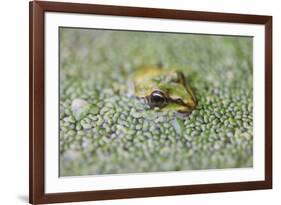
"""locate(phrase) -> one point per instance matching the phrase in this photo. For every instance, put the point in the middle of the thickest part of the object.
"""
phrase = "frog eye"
(157, 99)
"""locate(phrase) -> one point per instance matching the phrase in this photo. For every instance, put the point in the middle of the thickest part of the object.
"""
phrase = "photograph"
(129, 102)
(135, 102)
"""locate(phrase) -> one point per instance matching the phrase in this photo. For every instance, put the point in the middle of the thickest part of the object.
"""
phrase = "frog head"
(166, 89)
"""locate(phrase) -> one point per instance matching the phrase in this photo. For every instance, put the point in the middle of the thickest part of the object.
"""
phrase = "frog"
(165, 89)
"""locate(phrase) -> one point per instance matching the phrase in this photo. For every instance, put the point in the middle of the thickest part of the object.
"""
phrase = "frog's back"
(143, 79)
(146, 73)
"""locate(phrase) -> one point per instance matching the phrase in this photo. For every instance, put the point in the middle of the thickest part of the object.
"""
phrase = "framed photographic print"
(139, 102)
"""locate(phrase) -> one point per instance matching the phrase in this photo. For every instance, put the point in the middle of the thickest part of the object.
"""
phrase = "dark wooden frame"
(37, 97)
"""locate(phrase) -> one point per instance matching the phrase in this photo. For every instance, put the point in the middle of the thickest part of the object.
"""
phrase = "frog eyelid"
(159, 94)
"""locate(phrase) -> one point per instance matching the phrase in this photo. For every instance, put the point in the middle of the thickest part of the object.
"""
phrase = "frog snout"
(191, 104)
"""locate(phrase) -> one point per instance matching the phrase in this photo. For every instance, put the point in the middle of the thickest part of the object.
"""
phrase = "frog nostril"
(179, 101)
